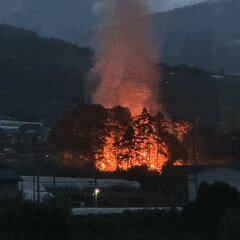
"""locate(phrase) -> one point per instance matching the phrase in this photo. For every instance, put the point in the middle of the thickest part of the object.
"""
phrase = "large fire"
(144, 142)
(126, 73)
(113, 139)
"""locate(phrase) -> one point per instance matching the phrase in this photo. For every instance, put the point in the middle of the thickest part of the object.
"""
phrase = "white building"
(211, 175)
(47, 183)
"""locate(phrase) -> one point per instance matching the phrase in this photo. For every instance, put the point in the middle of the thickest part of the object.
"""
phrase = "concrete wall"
(210, 176)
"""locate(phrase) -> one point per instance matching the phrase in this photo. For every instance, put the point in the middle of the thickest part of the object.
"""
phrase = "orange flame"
(146, 149)
(141, 140)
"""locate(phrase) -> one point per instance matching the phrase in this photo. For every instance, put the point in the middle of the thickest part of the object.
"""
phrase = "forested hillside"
(43, 78)
(39, 77)
(204, 35)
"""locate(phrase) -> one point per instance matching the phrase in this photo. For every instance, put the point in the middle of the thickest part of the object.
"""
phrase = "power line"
(155, 98)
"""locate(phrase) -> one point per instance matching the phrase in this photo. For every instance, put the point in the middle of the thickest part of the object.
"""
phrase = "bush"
(231, 225)
(26, 221)
(204, 215)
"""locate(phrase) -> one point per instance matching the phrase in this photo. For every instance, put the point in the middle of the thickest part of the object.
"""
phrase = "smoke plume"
(126, 59)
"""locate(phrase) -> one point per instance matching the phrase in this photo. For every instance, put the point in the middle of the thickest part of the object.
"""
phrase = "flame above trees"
(126, 73)
(126, 60)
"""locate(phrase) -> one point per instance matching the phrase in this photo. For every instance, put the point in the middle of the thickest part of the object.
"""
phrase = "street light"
(96, 192)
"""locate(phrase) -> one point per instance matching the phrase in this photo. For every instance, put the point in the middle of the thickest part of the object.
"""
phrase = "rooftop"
(7, 175)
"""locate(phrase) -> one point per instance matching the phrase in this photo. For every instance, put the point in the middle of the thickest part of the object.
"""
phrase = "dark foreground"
(215, 214)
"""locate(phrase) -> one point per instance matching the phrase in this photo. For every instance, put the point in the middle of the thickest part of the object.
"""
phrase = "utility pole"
(38, 188)
(173, 195)
(54, 183)
(96, 192)
(34, 189)
(195, 154)
(172, 177)
(37, 163)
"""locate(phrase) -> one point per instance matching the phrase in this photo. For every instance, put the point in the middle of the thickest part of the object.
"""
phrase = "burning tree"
(115, 139)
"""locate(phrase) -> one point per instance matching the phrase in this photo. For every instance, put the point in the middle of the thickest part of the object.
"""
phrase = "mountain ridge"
(43, 78)
(201, 35)
(39, 77)
(205, 35)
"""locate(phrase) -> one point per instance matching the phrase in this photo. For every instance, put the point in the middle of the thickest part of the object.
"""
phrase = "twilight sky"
(163, 5)
(158, 5)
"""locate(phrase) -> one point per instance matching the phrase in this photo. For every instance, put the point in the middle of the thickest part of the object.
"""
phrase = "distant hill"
(65, 19)
(206, 35)
(39, 77)
(43, 78)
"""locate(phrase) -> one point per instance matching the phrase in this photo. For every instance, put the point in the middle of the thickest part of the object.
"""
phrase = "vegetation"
(213, 215)
(202, 38)
(25, 220)
(112, 139)
(32, 67)
(40, 78)
(43, 78)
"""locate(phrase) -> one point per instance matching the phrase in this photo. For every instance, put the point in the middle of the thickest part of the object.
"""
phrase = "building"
(30, 189)
(22, 136)
(211, 175)
(9, 185)
(82, 183)
(46, 184)
(10, 123)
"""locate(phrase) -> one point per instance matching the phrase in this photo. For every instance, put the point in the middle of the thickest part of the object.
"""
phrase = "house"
(9, 184)
(46, 184)
(82, 183)
(29, 189)
(187, 179)
(211, 175)
(23, 137)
